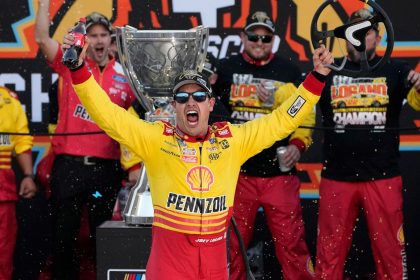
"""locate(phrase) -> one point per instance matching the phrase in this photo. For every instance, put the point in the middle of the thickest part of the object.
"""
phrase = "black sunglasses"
(182, 97)
(254, 37)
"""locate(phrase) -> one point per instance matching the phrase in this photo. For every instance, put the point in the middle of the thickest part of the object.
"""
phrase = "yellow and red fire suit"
(12, 120)
(192, 180)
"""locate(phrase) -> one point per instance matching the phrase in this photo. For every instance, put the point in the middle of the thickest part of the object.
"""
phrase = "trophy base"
(138, 221)
(139, 211)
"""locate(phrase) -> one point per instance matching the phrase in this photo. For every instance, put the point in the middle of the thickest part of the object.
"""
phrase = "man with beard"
(241, 85)
(361, 153)
(86, 169)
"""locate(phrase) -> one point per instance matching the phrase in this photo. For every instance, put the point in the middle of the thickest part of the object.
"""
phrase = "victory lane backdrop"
(24, 70)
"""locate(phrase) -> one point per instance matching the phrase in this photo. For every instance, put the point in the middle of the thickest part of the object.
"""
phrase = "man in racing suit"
(261, 183)
(86, 170)
(12, 120)
(193, 167)
(361, 161)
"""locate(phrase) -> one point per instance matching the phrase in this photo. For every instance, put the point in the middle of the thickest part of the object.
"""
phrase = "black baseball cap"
(259, 18)
(192, 77)
(362, 14)
(97, 18)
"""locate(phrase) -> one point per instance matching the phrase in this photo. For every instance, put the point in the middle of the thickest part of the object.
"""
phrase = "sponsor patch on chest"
(119, 78)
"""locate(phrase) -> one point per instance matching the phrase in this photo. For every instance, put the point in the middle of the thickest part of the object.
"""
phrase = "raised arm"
(49, 46)
(262, 132)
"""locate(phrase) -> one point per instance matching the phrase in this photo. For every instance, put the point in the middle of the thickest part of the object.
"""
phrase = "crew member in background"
(86, 169)
(361, 154)
(12, 120)
(243, 85)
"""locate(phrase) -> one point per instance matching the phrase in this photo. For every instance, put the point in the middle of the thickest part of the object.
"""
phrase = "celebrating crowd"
(244, 162)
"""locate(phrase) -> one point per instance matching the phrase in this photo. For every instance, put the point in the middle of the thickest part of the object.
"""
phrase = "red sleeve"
(134, 167)
(80, 75)
(299, 144)
(313, 84)
(56, 65)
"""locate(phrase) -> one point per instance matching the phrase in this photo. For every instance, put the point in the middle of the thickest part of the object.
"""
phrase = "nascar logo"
(126, 274)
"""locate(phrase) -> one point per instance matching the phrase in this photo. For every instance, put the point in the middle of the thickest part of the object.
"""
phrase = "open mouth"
(192, 117)
(100, 51)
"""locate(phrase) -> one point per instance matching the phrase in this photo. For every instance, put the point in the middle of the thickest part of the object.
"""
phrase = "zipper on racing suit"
(201, 182)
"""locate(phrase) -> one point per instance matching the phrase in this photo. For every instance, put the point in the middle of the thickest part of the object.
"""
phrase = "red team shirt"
(73, 117)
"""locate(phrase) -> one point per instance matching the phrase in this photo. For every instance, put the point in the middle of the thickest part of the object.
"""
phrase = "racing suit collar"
(92, 63)
(190, 138)
(250, 60)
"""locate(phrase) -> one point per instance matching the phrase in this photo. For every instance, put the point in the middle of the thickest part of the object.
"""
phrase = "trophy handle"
(203, 36)
(136, 87)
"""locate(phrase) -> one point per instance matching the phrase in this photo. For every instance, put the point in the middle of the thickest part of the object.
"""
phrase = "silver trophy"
(151, 60)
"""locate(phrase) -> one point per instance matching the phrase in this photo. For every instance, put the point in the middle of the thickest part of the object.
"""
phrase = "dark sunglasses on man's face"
(255, 37)
(182, 97)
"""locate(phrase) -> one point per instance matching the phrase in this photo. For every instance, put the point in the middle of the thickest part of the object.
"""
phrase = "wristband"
(320, 77)
(77, 67)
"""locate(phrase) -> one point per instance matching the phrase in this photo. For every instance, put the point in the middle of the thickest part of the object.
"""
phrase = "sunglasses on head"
(98, 19)
(182, 97)
(254, 37)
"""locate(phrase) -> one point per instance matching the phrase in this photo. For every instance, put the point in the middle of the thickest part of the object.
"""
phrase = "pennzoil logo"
(191, 204)
(200, 178)
(400, 235)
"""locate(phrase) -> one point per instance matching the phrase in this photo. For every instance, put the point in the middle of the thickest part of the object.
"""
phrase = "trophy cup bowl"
(151, 60)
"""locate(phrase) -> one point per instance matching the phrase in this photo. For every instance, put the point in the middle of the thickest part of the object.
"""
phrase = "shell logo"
(400, 235)
(200, 178)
